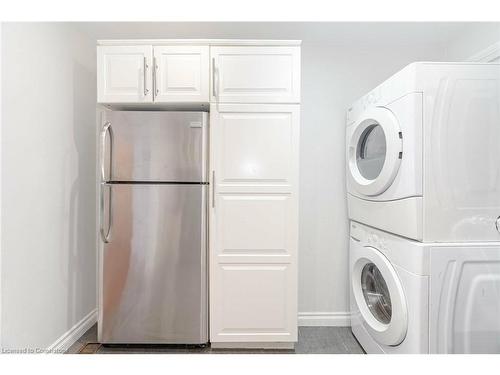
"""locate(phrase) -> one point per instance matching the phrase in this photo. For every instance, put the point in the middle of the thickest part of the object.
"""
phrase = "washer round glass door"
(376, 293)
(379, 296)
(374, 151)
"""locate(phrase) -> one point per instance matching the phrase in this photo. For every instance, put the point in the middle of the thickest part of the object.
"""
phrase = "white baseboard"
(325, 319)
(69, 338)
(252, 345)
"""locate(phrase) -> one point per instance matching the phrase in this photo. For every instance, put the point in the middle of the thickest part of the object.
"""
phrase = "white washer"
(389, 292)
(422, 153)
(411, 297)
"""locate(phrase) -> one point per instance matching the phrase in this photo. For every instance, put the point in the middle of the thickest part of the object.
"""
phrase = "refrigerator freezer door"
(153, 268)
(154, 146)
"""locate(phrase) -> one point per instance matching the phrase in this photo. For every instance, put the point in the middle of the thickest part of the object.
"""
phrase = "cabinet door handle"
(145, 69)
(214, 91)
(213, 189)
(155, 84)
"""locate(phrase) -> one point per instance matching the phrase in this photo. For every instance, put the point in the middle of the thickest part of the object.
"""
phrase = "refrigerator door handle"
(105, 235)
(105, 129)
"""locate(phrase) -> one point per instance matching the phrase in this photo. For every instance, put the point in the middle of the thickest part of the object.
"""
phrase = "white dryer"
(423, 155)
(411, 297)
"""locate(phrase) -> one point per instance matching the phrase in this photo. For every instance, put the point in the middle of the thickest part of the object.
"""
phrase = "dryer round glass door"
(379, 296)
(370, 152)
(374, 151)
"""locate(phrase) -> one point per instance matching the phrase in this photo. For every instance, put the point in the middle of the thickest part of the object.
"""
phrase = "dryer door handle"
(497, 224)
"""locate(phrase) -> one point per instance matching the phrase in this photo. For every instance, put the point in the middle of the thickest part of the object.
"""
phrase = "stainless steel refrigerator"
(153, 228)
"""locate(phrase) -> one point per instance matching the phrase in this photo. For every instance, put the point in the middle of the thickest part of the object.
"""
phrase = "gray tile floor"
(312, 340)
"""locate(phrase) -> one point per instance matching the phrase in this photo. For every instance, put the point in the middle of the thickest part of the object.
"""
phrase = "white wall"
(48, 266)
(472, 39)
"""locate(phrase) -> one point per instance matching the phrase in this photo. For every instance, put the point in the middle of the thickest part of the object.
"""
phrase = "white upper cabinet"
(182, 74)
(186, 72)
(147, 74)
(255, 74)
(124, 74)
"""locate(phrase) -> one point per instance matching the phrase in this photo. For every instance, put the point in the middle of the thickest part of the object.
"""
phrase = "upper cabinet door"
(124, 74)
(255, 74)
(182, 74)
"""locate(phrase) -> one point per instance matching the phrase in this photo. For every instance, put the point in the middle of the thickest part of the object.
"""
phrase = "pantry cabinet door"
(254, 303)
(255, 74)
(182, 74)
(254, 223)
(255, 146)
(124, 74)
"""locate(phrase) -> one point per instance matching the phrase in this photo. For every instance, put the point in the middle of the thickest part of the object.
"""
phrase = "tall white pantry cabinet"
(253, 88)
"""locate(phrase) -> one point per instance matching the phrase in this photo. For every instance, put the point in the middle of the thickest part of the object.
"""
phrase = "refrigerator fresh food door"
(153, 264)
(154, 146)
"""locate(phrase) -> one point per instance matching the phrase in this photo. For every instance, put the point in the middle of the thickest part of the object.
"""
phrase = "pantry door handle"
(145, 69)
(213, 189)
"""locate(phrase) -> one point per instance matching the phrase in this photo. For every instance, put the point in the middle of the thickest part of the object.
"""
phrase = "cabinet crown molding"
(191, 42)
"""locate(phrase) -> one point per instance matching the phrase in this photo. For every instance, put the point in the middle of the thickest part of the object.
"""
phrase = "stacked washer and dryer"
(423, 183)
